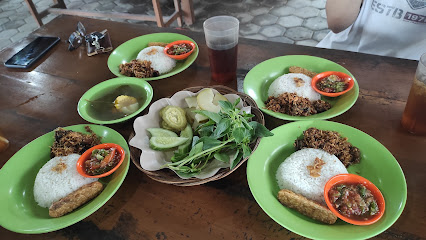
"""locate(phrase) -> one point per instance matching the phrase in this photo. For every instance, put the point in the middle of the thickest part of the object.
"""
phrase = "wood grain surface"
(44, 97)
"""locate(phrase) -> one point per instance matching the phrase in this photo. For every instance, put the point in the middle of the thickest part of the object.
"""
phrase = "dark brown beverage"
(223, 64)
(414, 117)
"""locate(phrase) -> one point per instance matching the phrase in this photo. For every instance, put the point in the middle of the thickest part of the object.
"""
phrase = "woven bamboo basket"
(170, 177)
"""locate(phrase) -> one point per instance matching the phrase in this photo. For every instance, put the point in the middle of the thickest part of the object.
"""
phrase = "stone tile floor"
(290, 21)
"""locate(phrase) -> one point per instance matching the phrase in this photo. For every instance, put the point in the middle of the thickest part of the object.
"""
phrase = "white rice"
(51, 185)
(293, 174)
(159, 60)
(286, 83)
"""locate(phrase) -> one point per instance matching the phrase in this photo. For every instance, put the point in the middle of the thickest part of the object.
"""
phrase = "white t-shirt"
(395, 28)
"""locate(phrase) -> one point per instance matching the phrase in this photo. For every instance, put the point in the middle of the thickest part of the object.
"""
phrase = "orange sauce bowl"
(355, 179)
(86, 156)
(341, 75)
(181, 56)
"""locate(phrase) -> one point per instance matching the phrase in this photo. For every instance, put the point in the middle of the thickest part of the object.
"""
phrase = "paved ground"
(294, 21)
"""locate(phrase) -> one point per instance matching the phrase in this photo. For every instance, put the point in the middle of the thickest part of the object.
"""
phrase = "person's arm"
(342, 13)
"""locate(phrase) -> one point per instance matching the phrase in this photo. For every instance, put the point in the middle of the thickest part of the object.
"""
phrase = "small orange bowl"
(355, 179)
(181, 56)
(341, 75)
(86, 156)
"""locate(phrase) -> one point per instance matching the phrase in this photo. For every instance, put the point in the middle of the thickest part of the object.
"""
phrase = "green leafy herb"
(226, 137)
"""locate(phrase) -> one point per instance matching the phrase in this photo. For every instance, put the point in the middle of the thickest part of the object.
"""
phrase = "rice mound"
(293, 174)
(159, 60)
(58, 178)
(286, 83)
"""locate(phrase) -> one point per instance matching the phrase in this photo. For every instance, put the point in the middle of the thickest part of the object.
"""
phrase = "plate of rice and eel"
(288, 171)
(41, 189)
(144, 57)
(282, 88)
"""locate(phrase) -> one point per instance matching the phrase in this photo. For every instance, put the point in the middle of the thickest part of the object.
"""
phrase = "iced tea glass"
(414, 116)
(221, 34)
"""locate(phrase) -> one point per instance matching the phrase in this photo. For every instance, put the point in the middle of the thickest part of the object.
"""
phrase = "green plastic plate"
(103, 88)
(258, 80)
(130, 49)
(19, 211)
(377, 165)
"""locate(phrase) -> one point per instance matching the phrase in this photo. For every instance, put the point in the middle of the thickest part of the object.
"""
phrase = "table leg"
(59, 3)
(34, 12)
(158, 13)
(188, 11)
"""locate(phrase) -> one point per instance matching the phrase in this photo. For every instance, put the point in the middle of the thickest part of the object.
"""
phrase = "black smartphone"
(30, 53)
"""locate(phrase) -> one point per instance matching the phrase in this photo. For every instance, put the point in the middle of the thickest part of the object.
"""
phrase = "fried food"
(160, 44)
(296, 69)
(306, 207)
(67, 142)
(331, 142)
(138, 68)
(75, 199)
(291, 104)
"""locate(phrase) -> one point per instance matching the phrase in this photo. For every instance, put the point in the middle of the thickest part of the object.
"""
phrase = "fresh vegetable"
(209, 101)
(161, 132)
(166, 143)
(226, 136)
(174, 117)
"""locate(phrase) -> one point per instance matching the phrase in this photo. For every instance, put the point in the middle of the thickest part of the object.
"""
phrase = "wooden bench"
(183, 12)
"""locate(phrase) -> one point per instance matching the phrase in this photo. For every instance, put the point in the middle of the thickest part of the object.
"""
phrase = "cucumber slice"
(187, 133)
(161, 132)
(166, 143)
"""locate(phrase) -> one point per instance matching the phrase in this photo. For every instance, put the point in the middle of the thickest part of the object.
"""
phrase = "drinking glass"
(221, 34)
(414, 116)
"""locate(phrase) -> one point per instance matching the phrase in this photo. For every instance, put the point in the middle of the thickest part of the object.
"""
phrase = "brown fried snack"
(67, 142)
(331, 142)
(306, 207)
(296, 69)
(291, 104)
(160, 44)
(75, 199)
(139, 69)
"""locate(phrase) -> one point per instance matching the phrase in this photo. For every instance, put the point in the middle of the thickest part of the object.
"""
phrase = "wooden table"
(36, 101)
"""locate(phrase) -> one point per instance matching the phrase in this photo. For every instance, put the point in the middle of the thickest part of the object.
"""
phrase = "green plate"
(19, 211)
(130, 49)
(377, 165)
(108, 86)
(258, 80)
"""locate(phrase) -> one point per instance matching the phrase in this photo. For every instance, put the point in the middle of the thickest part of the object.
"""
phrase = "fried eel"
(296, 69)
(75, 199)
(306, 207)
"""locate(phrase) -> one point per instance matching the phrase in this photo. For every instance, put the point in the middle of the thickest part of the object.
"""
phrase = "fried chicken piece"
(67, 142)
(296, 69)
(160, 44)
(75, 199)
(306, 207)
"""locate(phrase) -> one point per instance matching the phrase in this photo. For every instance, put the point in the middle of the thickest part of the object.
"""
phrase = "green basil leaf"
(206, 131)
(209, 142)
(236, 159)
(226, 106)
(236, 102)
(223, 157)
(196, 149)
(222, 128)
(238, 134)
(213, 116)
(260, 130)
(246, 151)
